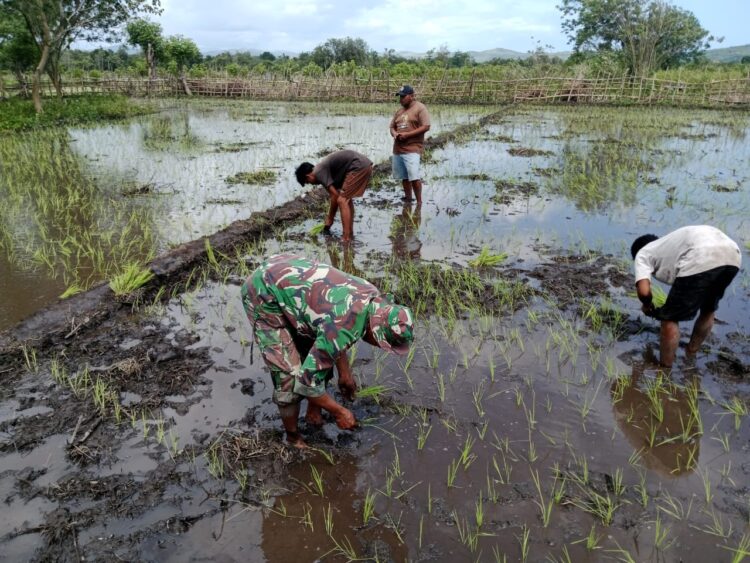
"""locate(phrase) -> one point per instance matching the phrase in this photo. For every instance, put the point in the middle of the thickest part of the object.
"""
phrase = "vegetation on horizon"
(646, 37)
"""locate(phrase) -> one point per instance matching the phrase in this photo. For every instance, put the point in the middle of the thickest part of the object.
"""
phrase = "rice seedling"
(717, 526)
(467, 457)
(101, 394)
(328, 520)
(478, 395)
(524, 542)
(29, 358)
(453, 471)
(499, 557)
(723, 439)
(160, 431)
(592, 539)
(479, 511)
(422, 435)
(738, 408)
(215, 463)
(344, 549)
(373, 391)
(257, 177)
(706, 480)
(673, 507)
(503, 472)
(486, 259)
(71, 290)
(621, 553)
(307, 516)
(662, 541)
(741, 551)
(318, 485)
(242, 477)
(600, 505)
(641, 489)
(368, 507)
(132, 277)
(545, 506)
(317, 229)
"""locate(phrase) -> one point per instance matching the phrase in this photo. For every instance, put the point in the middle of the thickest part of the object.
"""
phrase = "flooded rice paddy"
(79, 204)
(529, 423)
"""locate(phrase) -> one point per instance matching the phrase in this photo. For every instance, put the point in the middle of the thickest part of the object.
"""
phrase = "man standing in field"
(408, 127)
(345, 174)
(305, 316)
(699, 262)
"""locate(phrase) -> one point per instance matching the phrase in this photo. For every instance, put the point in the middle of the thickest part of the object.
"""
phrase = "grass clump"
(256, 178)
(658, 296)
(18, 114)
(131, 278)
(487, 259)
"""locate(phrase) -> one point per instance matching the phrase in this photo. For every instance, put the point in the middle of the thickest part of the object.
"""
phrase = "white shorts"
(406, 166)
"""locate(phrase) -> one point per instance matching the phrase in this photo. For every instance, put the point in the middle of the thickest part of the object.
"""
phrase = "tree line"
(637, 37)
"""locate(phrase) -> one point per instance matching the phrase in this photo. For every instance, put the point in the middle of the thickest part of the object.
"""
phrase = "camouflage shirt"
(322, 304)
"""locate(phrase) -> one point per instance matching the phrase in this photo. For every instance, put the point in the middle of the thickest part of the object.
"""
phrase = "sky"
(403, 25)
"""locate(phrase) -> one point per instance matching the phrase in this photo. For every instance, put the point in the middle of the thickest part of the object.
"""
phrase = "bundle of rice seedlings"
(317, 229)
(374, 391)
(131, 278)
(658, 295)
(485, 259)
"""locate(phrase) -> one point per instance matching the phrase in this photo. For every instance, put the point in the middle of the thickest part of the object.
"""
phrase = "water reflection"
(658, 418)
(342, 256)
(405, 231)
(305, 519)
(169, 133)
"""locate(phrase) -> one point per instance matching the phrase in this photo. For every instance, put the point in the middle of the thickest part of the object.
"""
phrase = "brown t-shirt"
(409, 119)
(333, 169)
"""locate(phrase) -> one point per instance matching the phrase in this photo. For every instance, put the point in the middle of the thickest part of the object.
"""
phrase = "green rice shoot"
(130, 279)
(486, 259)
(658, 296)
(373, 391)
(256, 178)
(317, 229)
(71, 291)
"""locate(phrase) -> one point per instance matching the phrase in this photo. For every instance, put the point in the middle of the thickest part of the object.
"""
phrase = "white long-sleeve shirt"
(685, 252)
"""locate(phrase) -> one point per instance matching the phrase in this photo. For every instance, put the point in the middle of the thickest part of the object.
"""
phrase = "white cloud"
(416, 25)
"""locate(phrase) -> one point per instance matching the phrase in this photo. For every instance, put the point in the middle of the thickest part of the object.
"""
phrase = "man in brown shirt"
(408, 127)
(345, 174)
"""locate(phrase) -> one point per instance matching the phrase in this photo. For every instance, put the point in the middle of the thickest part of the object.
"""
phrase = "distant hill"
(728, 54)
(488, 55)
(722, 55)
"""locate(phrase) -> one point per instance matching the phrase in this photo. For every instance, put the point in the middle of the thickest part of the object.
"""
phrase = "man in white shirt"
(699, 262)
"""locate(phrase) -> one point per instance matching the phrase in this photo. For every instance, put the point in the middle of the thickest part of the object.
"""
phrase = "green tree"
(340, 51)
(18, 52)
(55, 24)
(267, 56)
(147, 36)
(182, 53)
(647, 34)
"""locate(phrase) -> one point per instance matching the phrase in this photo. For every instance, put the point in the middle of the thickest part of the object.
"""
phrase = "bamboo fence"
(475, 90)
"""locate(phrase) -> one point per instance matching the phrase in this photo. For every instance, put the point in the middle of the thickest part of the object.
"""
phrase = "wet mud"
(142, 429)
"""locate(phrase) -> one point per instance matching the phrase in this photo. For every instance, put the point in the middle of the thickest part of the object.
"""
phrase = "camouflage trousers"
(282, 348)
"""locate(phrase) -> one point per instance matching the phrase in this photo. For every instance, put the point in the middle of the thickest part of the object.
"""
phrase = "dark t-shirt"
(333, 169)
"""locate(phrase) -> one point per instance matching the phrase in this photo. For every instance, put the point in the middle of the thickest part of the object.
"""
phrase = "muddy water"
(170, 170)
(448, 456)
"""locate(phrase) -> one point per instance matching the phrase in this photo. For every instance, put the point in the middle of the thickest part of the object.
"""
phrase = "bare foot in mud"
(314, 416)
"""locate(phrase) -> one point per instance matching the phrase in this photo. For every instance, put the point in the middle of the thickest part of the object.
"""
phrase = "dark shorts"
(697, 292)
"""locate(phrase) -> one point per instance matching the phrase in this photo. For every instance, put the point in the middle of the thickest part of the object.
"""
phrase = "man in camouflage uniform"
(305, 316)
